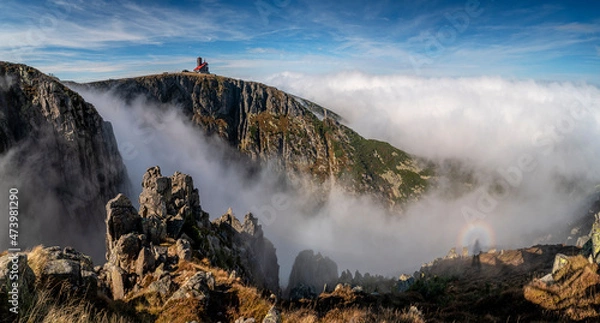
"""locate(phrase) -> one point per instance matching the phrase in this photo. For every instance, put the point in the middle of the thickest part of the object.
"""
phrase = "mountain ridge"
(298, 136)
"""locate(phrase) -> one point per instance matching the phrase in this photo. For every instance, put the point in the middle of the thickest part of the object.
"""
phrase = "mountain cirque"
(167, 262)
(295, 135)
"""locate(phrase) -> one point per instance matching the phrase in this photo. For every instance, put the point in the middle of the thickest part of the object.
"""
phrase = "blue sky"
(89, 40)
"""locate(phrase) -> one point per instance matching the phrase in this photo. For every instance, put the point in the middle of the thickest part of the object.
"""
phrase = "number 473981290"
(13, 217)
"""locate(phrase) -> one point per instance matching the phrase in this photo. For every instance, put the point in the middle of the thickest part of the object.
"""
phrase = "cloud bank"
(529, 147)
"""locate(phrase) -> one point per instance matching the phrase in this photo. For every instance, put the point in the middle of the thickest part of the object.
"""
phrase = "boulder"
(273, 316)
(251, 226)
(581, 241)
(560, 260)
(121, 219)
(117, 281)
(125, 251)
(228, 222)
(197, 286)
(145, 262)
(68, 268)
(184, 250)
(595, 238)
(160, 290)
(62, 270)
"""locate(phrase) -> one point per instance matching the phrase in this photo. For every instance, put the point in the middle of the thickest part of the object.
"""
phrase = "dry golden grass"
(188, 268)
(37, 259)
(245, 301)
(356, 315)
(236, 300)
(300, 316)
(45, 308)
(251, 303)
(411, 315)
(182, 311)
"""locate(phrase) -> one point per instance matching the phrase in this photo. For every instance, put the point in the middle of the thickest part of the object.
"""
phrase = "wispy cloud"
(575, 27)
(385, 37)
(112, 25)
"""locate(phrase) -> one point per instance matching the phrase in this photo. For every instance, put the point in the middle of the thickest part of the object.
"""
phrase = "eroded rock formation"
(171, 227)
(312, 274)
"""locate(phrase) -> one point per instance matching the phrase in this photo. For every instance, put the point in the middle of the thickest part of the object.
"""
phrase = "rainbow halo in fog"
(480, 231)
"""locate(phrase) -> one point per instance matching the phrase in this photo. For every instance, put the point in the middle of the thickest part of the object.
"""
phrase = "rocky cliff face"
(170, 227)
(311, 275)
(61, 156)
(294, 134)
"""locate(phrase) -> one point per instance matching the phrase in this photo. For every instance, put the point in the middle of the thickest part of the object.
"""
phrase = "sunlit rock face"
(293, 135)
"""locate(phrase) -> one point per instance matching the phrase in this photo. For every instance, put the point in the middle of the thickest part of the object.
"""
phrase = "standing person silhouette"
(476, 252)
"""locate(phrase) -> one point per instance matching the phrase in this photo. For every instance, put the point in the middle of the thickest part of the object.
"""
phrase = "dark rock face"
(311, 275)
(294, 135)
(170, 228)
(258, 261)
(121, 218)
(60, 154)
(374, 283)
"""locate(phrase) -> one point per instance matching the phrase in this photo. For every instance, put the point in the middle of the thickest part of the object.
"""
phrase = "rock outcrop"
(570, 288)
(312, 274)
(58, 271)
(166, 256)
(591, 247)
(246, 240)
(170, 227)
(295, 135)
(60, 154)
(68, 268)
(372, 283)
